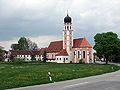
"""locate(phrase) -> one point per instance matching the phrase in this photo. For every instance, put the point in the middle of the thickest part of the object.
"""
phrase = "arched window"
(67, 27)
(78, 54)
(70, 27)
(83, 54)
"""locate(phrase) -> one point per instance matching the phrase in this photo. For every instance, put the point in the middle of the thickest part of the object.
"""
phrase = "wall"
(51, 56)
(26, 57)
(88, 54)
(62, 59)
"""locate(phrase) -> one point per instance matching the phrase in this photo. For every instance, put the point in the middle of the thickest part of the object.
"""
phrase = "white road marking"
(74, 85)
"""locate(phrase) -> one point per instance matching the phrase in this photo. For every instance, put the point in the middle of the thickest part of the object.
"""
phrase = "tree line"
(24, 44)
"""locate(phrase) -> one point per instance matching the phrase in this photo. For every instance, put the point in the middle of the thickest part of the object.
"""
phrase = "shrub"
(18, 60)
(81, 61)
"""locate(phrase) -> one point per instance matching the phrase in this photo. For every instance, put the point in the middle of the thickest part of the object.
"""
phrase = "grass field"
(17, 75)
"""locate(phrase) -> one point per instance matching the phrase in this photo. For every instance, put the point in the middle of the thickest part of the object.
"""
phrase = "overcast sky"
(42, 20)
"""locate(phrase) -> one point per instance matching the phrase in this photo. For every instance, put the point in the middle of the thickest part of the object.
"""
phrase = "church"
(68, 50)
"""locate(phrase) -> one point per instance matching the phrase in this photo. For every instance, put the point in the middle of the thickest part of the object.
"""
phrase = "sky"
(42, 20)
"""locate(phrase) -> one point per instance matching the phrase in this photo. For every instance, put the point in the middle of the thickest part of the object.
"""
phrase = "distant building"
(64, 51)
(29, 55)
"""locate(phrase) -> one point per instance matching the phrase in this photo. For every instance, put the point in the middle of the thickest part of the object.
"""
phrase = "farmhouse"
(63, 51)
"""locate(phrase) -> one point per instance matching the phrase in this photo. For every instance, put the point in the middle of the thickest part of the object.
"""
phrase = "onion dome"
(67, 19)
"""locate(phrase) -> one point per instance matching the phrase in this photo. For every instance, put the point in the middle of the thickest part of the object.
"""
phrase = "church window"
(83, 54)
(60, 58)
(67, 27)
(66, 58)
(70, 27)
(78, 54)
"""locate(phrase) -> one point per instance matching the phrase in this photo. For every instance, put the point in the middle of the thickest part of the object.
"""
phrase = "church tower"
(67, 34)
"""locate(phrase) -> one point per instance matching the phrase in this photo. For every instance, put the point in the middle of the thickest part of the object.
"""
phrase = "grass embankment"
(17, 75)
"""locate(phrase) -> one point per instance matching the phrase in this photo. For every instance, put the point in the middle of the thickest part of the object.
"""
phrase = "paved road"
(110, 81)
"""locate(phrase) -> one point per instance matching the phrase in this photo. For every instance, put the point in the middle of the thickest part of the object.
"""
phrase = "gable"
(81, 43)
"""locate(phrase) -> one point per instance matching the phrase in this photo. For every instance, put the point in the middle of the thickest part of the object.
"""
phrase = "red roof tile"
(21, 52)
(35, 52)
(42, 50)
(63, 52)
(55, 47)
(81, 43)
(28, 52)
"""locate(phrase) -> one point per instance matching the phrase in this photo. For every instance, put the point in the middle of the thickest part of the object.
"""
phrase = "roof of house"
(21, 52)
(63, 52)
(28, 52)
(42, 50)
(81, 43)
(57, 46)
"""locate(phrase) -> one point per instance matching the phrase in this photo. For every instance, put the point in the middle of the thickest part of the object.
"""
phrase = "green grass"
(17, 75)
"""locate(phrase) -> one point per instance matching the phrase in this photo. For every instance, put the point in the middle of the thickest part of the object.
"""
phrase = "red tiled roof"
(63, 52)
(42, 50)
(21, 52)
(81, 43)
(35, 52)
(55, 47)
(28, 52)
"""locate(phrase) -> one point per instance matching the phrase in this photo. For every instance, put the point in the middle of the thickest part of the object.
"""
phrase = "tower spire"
(67, 12)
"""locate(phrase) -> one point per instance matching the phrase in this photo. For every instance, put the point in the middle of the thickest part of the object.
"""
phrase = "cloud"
(41, 41)
(34, 18)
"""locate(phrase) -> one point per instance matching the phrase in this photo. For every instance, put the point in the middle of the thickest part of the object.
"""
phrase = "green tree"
(32, 45)
(107, 45)
(2, 53)
(14, 47)
(23, 44)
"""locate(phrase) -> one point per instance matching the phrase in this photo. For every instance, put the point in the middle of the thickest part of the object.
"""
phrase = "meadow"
(14, 75)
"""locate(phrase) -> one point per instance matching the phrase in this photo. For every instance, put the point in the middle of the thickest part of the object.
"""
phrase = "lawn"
(18, 75)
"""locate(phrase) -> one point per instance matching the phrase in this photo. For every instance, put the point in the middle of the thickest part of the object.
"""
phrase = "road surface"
(110, 81)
